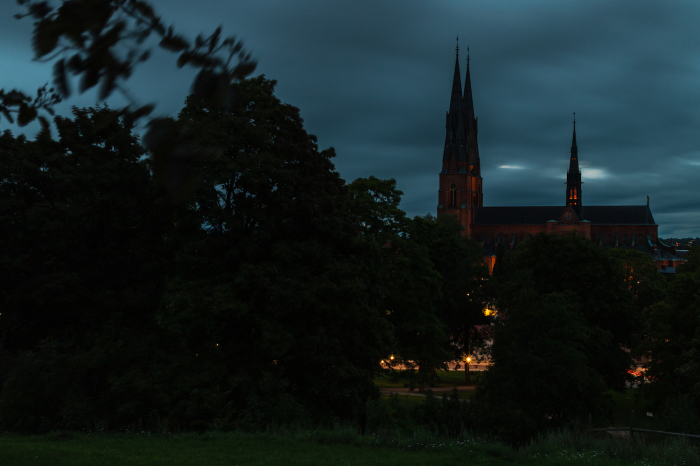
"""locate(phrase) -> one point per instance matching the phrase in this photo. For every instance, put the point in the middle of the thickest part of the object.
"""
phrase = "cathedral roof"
(536, 215)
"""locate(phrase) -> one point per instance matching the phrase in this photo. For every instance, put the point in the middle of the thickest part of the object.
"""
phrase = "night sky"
(373, 80)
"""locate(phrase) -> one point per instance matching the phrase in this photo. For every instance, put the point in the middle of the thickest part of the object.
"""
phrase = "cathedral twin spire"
(461, 151)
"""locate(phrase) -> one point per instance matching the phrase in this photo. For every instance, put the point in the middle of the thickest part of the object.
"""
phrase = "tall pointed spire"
(468, 100)
(573, 175)
(456, 81)
(471, 127)
(455, 157)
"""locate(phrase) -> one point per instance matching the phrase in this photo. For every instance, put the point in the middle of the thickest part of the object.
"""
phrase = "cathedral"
(460, 194)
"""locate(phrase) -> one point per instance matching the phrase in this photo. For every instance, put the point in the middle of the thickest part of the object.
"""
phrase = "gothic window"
(640, 240)
(624, 240)
(453, 195)
(609, 239)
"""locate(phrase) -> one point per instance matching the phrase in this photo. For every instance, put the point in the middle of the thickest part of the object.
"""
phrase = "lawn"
(446, 379)
(221, 449)
(321, 447)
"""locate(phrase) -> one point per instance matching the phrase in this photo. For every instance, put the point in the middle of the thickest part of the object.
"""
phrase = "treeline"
(262, 288)
(573, 318)
(251, 285)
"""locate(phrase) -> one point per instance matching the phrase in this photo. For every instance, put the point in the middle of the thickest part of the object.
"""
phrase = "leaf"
(244, 69)
(7, 115)
(75, 64)
(26, 114)
(145, 9)
(205, 84)
(60, 79)
(174, 43)
(183, 59)
(45, 38)
(144, 111)
(39, 10)
(200, 59)
(214, 39)
(44, 124)
(90, 77)
(108, 84)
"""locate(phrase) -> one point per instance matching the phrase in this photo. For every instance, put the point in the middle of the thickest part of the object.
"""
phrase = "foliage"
(83, 253)
(601, 296)
(463, 275)
(101, 42)
(375, 203)
(692, 261)
(271, 291)
(540, 367)
(567, 319)
(673, 340)
(642, 278)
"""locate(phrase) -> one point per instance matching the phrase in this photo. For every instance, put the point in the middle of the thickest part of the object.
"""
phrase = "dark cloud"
(373, 78)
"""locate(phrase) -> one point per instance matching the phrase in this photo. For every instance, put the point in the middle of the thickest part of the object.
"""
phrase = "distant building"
(460, 194)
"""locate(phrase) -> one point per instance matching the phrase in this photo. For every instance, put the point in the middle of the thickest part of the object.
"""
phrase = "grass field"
(341, 446)
(446, 379)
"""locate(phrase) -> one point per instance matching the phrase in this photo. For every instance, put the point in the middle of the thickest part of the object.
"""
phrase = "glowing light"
(511, 167)
(488, 312)
(392, 358)
(469, 359)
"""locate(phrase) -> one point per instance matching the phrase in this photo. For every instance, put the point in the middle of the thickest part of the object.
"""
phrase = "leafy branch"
(100, 42)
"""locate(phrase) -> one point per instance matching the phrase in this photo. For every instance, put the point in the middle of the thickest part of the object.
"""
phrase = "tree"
(541, 368)
(692, 261)
(406, 285)
(459, 262)
(641, 277)
(574, 264)
(272, 289)
(84, 253)
(566, 316)
(672, 339)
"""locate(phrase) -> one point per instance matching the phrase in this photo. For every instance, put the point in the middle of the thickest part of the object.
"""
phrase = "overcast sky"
(373, 80)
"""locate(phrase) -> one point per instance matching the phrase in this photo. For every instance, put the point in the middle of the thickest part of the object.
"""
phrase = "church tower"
(573, 176)
(460, 177)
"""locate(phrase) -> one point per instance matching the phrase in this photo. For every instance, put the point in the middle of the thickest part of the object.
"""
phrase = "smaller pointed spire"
(467, 59)
(457, 48)
(573, 175)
